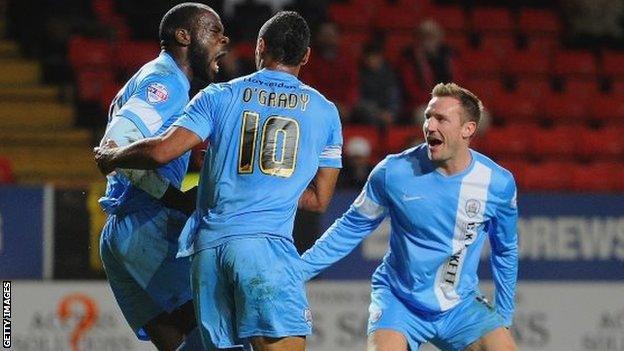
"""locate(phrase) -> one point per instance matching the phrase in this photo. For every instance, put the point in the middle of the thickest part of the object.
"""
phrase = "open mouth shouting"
(434, 142)
(214, 65)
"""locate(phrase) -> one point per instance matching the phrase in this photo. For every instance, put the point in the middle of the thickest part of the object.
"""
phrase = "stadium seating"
(539, 22)
(528, 64)
(559, 143)
(131, 55)
(370, 133)
(89, 53)
(507, 142)
(575, 64)
(498, 45)
(547, 176)
(613, 64)
(480, 64)
(515, 107)
(605, 144)
(565, 108)
(6, 171)
(608, 109)
(398, 138)
(452, 18)
(598, 177)
(492, 19)
(90, 84)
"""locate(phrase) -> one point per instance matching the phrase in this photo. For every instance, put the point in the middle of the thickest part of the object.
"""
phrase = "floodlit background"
(550, 73)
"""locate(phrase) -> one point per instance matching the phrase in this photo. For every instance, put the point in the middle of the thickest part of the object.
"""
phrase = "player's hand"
(103, 156)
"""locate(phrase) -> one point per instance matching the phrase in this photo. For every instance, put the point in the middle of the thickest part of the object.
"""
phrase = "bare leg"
(497, 340)
(387, 340)
(291, 343)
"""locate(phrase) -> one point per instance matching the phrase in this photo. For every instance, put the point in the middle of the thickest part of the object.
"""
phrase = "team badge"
(157, 93)
(472, 207)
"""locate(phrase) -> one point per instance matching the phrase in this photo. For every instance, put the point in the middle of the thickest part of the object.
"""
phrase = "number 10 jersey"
(268, 133)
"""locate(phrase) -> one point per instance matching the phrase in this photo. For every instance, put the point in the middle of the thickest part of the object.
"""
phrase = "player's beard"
(201, 60)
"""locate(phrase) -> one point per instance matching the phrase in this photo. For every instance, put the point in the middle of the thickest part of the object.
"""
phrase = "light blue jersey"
(438, 226)
(269, 133)
(152, 99)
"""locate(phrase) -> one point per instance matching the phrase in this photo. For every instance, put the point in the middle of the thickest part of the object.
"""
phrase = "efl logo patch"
(157, 93)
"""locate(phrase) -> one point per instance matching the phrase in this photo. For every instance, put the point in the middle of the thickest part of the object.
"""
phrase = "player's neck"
(279, 67)
(457, 164)
(181, 61)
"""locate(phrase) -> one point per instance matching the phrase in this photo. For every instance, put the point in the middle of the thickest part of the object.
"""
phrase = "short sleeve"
(198, 116)
(331, 156)
(156, 101)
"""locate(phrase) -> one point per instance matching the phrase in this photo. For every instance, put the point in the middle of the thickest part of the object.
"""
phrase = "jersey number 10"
(276, 131)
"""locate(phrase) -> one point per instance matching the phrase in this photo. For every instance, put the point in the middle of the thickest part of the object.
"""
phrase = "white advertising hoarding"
(83, 316)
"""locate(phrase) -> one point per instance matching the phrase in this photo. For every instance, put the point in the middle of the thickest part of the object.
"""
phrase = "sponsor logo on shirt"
(157, 93)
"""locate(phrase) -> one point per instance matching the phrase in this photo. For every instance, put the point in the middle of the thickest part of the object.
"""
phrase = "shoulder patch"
(157, 93)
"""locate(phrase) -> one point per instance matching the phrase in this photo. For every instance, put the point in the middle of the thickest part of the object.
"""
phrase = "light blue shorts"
(452, 330)
(249, 286)
(138, 253)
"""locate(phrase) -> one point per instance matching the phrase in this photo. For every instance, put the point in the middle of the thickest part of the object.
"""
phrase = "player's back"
(269, 135)
(152, 99)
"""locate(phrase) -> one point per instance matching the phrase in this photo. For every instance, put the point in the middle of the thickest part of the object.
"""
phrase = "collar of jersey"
(277, 74)
(463, 172)
(175, 66)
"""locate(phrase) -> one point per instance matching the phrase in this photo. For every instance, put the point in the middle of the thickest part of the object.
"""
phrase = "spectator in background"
(356, 163)
(331, 71)
(428, 61)
(380, 100)
(594, 22)
(233, 66)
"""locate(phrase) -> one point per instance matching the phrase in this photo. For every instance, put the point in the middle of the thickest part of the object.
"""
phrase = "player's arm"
(148, 153)
(504, 259)
(319, 192)
(122, 131)
(364, 215)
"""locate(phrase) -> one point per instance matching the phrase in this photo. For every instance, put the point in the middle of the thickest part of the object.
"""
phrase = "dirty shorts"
(249, 286)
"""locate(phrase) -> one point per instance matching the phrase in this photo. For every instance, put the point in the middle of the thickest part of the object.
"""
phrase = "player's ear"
(183, 36)
(469, 129)
(260, 47)
(306, 57)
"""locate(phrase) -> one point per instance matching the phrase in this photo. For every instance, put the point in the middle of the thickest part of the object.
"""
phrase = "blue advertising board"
(561, 237)
(21, 232)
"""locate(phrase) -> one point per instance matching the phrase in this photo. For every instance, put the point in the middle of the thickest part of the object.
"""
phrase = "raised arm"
(364, 215)
(504, 259)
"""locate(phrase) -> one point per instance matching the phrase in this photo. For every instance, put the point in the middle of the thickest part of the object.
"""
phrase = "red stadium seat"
(533, 88)
(533, 21)
(500, 46)
(608, 108)
(90, 84)
(370, 133)
(395, 44)
(513, 107)
(349, 16)
(617, 86)
(397, 18)
(582, 89)
(6, 171)
(131, 55)
(602, 144)
(575, 63)
(544, 45)
(559, 143)
(506, 142)
(528, 64)
(548, 176)
(477, 63)
(399, 138)
(89, 53)
(490, 19)
(452, 18)
(565, 108)
(487, 89)
(613, 63)
(245, 50)
(597, 177)
(353, 42)
(457, 41)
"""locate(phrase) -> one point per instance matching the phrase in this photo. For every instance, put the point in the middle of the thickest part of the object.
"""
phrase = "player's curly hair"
(183, 15)
(469, 101)
(287, 37)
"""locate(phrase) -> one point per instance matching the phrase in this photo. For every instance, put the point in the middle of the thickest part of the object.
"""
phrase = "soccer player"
(275, 144)
(139, 241)
(443, 200)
